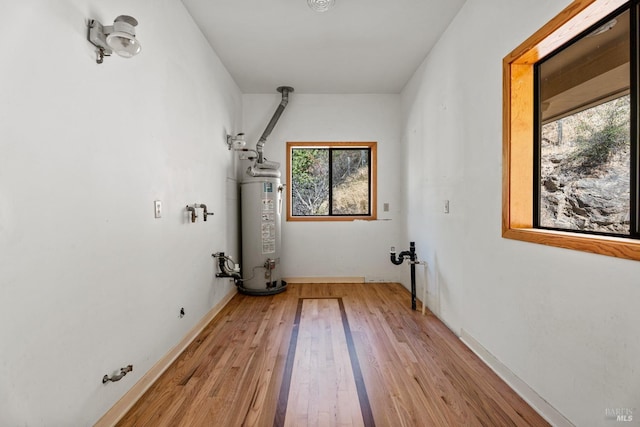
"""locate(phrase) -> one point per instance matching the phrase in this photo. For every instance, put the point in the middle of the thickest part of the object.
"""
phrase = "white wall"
(565, 322)
(89, 280)
(337, 249)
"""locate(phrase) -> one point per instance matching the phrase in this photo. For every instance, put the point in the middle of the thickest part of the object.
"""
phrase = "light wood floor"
(325, 355)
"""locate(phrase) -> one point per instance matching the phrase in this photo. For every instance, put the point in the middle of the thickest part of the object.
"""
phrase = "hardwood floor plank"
(323, 386)
(414, 370)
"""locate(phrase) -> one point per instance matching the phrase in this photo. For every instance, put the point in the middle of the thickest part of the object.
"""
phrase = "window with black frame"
(331, 180)
(586, 154)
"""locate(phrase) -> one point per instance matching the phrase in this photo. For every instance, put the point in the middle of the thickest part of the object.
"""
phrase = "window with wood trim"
(331, 181)
(583, 142)
(570, 156)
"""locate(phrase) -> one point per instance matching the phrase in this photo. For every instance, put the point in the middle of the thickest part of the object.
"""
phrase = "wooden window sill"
(603, 245)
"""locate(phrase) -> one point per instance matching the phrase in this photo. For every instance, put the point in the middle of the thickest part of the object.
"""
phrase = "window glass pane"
(309, 181)
(584, 147)
(350, 186)
(585, 170)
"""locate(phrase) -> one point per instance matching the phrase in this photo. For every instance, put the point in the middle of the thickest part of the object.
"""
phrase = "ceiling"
(359, 46)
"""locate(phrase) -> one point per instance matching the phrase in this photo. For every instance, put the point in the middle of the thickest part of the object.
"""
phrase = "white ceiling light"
(321, 5)
(119, 37)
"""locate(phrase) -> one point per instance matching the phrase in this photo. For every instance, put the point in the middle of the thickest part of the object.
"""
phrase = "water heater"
(261, 205)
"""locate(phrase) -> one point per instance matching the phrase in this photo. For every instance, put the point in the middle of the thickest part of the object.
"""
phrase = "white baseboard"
(324, 279)
(529, 395)
(126, 402)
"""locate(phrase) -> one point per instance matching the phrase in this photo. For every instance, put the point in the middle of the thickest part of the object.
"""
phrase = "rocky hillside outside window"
(585, 154)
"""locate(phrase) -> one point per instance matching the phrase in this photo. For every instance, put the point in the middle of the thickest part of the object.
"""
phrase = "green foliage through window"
(598, 140)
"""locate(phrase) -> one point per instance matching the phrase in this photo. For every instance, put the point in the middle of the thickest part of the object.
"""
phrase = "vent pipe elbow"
(262, 173)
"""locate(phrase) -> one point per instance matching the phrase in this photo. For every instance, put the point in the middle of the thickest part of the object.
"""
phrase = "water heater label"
(268, 225)
(268, 247)
(268, 187)
(268, 230)
(267, 205)
(268, 237)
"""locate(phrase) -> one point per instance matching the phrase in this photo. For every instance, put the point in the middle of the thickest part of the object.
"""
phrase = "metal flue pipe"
(284, 90)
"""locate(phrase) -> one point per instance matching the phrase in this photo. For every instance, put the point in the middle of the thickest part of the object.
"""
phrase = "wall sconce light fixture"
(119, 37)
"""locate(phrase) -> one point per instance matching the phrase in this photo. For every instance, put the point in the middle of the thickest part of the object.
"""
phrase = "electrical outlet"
(385, 207)
(157, 208)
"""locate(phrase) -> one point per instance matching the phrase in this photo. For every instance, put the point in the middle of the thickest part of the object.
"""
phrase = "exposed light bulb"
(123, 44)
(123, 38)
